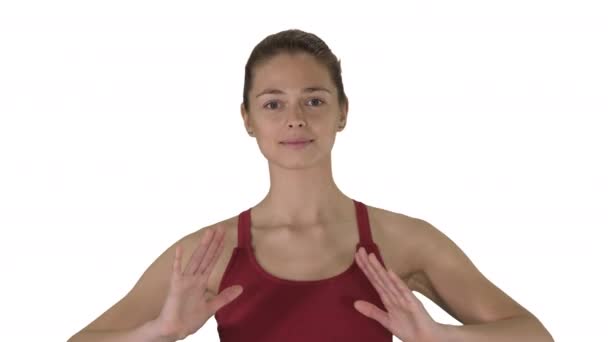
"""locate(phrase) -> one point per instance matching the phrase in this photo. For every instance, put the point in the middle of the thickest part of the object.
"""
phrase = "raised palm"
(188, 304)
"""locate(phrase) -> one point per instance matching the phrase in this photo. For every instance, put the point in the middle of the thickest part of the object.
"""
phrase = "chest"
(313, 255)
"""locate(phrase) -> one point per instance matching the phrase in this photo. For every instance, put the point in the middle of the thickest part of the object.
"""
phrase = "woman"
(308, 263)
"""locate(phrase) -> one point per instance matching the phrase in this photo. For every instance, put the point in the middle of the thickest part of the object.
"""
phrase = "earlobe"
(344, 115)
(243, 111)
(342, 123)
(245, 117)
(345, 105)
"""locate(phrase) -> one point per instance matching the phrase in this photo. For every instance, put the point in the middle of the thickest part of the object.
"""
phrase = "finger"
(204, 276)
(403, 296)
(372, 311)
(225, 297)
(369, 273)
(200, 251)
(177, 260)
(390, 287)
(211, 252)
(381, 278)
(408, 295)
(401, 285)
(373, 277)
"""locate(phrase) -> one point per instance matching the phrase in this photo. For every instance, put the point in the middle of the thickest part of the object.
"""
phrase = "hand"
(189, 305)
(406, 317)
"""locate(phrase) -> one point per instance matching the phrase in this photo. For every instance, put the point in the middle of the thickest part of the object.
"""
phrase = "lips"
(296, 141)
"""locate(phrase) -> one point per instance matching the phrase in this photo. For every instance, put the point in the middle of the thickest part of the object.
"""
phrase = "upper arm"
(146, 298)
(453, 282)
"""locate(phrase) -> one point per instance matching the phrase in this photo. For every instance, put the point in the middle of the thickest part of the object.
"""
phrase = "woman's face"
(292, 96)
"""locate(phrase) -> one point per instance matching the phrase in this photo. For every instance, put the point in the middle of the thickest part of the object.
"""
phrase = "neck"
(303, 197)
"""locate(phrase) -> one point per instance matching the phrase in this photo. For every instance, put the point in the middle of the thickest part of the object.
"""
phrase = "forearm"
(147, 332)
(521, 329)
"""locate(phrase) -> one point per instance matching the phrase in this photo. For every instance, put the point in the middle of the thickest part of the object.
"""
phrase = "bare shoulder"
(405, 242)
(398, 227)
(434, 265)
(230, 228)
(145, 299)
(400, 238)
(393, 222)
(229, 225)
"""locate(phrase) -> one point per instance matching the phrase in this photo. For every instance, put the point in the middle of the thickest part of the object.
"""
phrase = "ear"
(246, 122)
(343, 115)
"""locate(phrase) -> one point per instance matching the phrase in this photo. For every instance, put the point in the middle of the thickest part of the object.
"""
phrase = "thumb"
(372, 311)
(225, 297)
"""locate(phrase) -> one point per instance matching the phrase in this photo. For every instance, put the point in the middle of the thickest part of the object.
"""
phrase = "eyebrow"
(277, 91)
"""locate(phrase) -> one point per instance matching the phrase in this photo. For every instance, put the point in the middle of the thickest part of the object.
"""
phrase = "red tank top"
(274, 309)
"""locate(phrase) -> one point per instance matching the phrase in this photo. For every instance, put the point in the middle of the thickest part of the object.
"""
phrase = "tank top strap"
(244, 229)
(365, 235)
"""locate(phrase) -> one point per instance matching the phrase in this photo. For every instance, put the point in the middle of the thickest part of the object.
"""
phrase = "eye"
(317, 99)
(270, 103)
(274, 104)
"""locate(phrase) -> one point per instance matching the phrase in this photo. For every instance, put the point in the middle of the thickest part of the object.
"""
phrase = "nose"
(295, 118)
(298, 122)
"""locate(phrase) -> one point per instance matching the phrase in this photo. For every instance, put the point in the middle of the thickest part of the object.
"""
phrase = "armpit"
(419, 282)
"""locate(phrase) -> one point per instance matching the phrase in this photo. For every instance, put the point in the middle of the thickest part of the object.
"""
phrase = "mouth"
(297, 142)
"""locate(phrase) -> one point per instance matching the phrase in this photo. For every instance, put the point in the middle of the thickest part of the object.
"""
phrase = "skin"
(302, 190)
(305, 214)
(304, 210)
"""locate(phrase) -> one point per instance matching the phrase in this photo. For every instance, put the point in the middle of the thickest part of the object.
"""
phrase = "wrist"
(443, 333)
(158, 332)
(447, 333)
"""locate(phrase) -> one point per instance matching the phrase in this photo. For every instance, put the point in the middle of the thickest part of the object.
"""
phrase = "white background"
(120, 132)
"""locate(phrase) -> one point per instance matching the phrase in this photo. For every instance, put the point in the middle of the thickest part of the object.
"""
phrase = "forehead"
(290, 70)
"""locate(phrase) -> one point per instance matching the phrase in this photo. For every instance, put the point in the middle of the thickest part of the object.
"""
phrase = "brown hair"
(292, 41)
